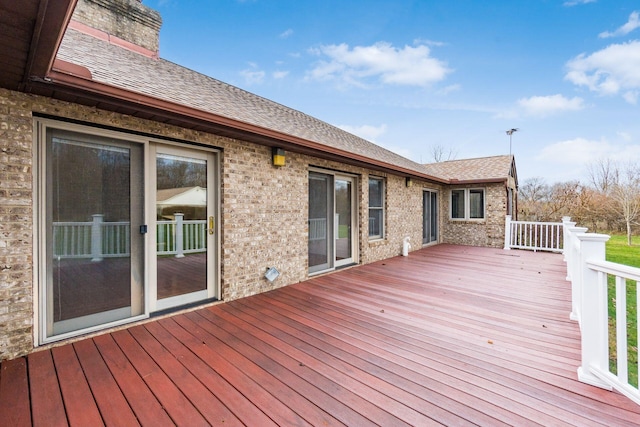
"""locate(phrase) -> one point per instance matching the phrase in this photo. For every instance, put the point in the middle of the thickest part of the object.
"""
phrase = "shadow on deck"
(450, 335)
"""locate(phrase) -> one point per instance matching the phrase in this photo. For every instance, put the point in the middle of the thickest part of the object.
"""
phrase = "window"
(467, 203)
(457, 204)
(376, 208)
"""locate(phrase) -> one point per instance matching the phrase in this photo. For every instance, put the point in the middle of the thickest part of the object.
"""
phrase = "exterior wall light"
(271, 274)
(408, 182)
(278, 156)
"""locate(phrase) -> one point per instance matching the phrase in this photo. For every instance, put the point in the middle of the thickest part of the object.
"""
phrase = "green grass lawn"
(618, 251)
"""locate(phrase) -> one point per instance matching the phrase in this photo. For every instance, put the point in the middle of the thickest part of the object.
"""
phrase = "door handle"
(212, 224)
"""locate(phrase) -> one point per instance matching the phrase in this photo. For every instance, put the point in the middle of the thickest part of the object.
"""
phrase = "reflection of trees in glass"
(173, 173)
(343, 202)
(318, 196)
(87, 180)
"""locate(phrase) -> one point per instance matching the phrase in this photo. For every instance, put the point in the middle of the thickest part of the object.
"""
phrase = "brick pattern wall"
(488, 232)
(16, 225)
(141, 26)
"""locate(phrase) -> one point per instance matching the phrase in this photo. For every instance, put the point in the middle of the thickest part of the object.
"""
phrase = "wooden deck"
(450, 335)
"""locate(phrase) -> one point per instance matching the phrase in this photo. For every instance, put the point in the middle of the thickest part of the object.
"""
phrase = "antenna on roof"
(510, 133)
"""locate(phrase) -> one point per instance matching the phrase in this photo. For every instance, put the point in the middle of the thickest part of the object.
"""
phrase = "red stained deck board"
(205, 402)
(79, 404)
(279, 413)
(332, 370)
(414, 359)
(239, 405)
(142, 401)
(273, 349)
(14, 393)
(428, 411)
(46, 398)
(287, 372)
(449, 335)
(170, 397)
(433, 388)
(551, 389)
(112, 405)
(297, 406)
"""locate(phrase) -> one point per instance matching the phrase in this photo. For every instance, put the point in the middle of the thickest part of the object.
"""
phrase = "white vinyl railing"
(98, 239)
(317, 229)
(535, 236)
(592, 280)
(181, 236)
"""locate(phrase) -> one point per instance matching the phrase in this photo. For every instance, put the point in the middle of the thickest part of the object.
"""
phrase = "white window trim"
(383, 208)
(467, 204)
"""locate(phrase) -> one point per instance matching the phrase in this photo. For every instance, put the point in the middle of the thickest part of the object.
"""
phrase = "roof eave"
(454, 181)
(66, 77)
(50, 25)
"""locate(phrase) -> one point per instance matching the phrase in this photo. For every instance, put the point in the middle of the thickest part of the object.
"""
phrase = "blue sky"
(413, 74)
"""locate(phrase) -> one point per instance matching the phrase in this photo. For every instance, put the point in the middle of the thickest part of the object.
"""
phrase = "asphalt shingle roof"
(161, 79)
(478, 169)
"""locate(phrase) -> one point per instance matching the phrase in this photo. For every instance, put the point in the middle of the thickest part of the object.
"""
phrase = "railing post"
(96, 237)
(507, 233)
(566, 223)
(594, 326)
(179, 235)
(574, 272)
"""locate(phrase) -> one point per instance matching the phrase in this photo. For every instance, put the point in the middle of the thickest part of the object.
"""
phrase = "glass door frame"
(43, 332)
(428, 219)
(212, 290)
(42, 311)
(332, 227)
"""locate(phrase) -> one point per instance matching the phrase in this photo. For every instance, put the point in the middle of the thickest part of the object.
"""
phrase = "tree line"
(608, 202)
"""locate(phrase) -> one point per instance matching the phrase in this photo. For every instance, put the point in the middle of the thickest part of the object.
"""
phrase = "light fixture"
(408, 181)
(271, 274)
(278, 156)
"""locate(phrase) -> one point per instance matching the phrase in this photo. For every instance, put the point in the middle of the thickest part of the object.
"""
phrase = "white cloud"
(253, 75)
(286, 34)
(368, 132)
(411, 66)
(632, 24)
(625, 136)
(451, 88)
(542, 106)
(280, 74)
(611, 71)
(575, 151)
(582, 151)
(577, 2)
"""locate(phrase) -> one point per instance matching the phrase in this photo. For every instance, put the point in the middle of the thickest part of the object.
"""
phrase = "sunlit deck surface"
(450, 335)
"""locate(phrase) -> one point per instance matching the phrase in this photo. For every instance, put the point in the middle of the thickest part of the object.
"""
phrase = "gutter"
(76, 80)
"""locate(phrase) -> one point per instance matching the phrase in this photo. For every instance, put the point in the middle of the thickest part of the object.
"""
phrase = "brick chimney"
(128, 20)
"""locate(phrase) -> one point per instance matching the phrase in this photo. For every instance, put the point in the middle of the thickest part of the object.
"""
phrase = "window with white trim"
(376, 208)
(467, 203)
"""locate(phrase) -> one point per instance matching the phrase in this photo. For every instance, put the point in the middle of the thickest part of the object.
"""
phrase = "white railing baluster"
(621, 330)
(533, 236)
(97, 239)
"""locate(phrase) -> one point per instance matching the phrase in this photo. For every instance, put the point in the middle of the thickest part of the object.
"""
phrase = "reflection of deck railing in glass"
(317, 229)
(181, 236)
(98, 239)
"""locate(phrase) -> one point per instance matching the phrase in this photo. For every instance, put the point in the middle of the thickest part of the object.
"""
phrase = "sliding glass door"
(332, 222)
(94, 249)
(184, 231)
(126, 227)
(429, 217)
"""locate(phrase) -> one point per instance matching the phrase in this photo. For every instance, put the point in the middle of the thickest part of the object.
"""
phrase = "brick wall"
(488, 232)
(129, 20)
(16, 225)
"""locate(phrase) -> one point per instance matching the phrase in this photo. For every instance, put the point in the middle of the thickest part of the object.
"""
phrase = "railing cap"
(593, 237)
